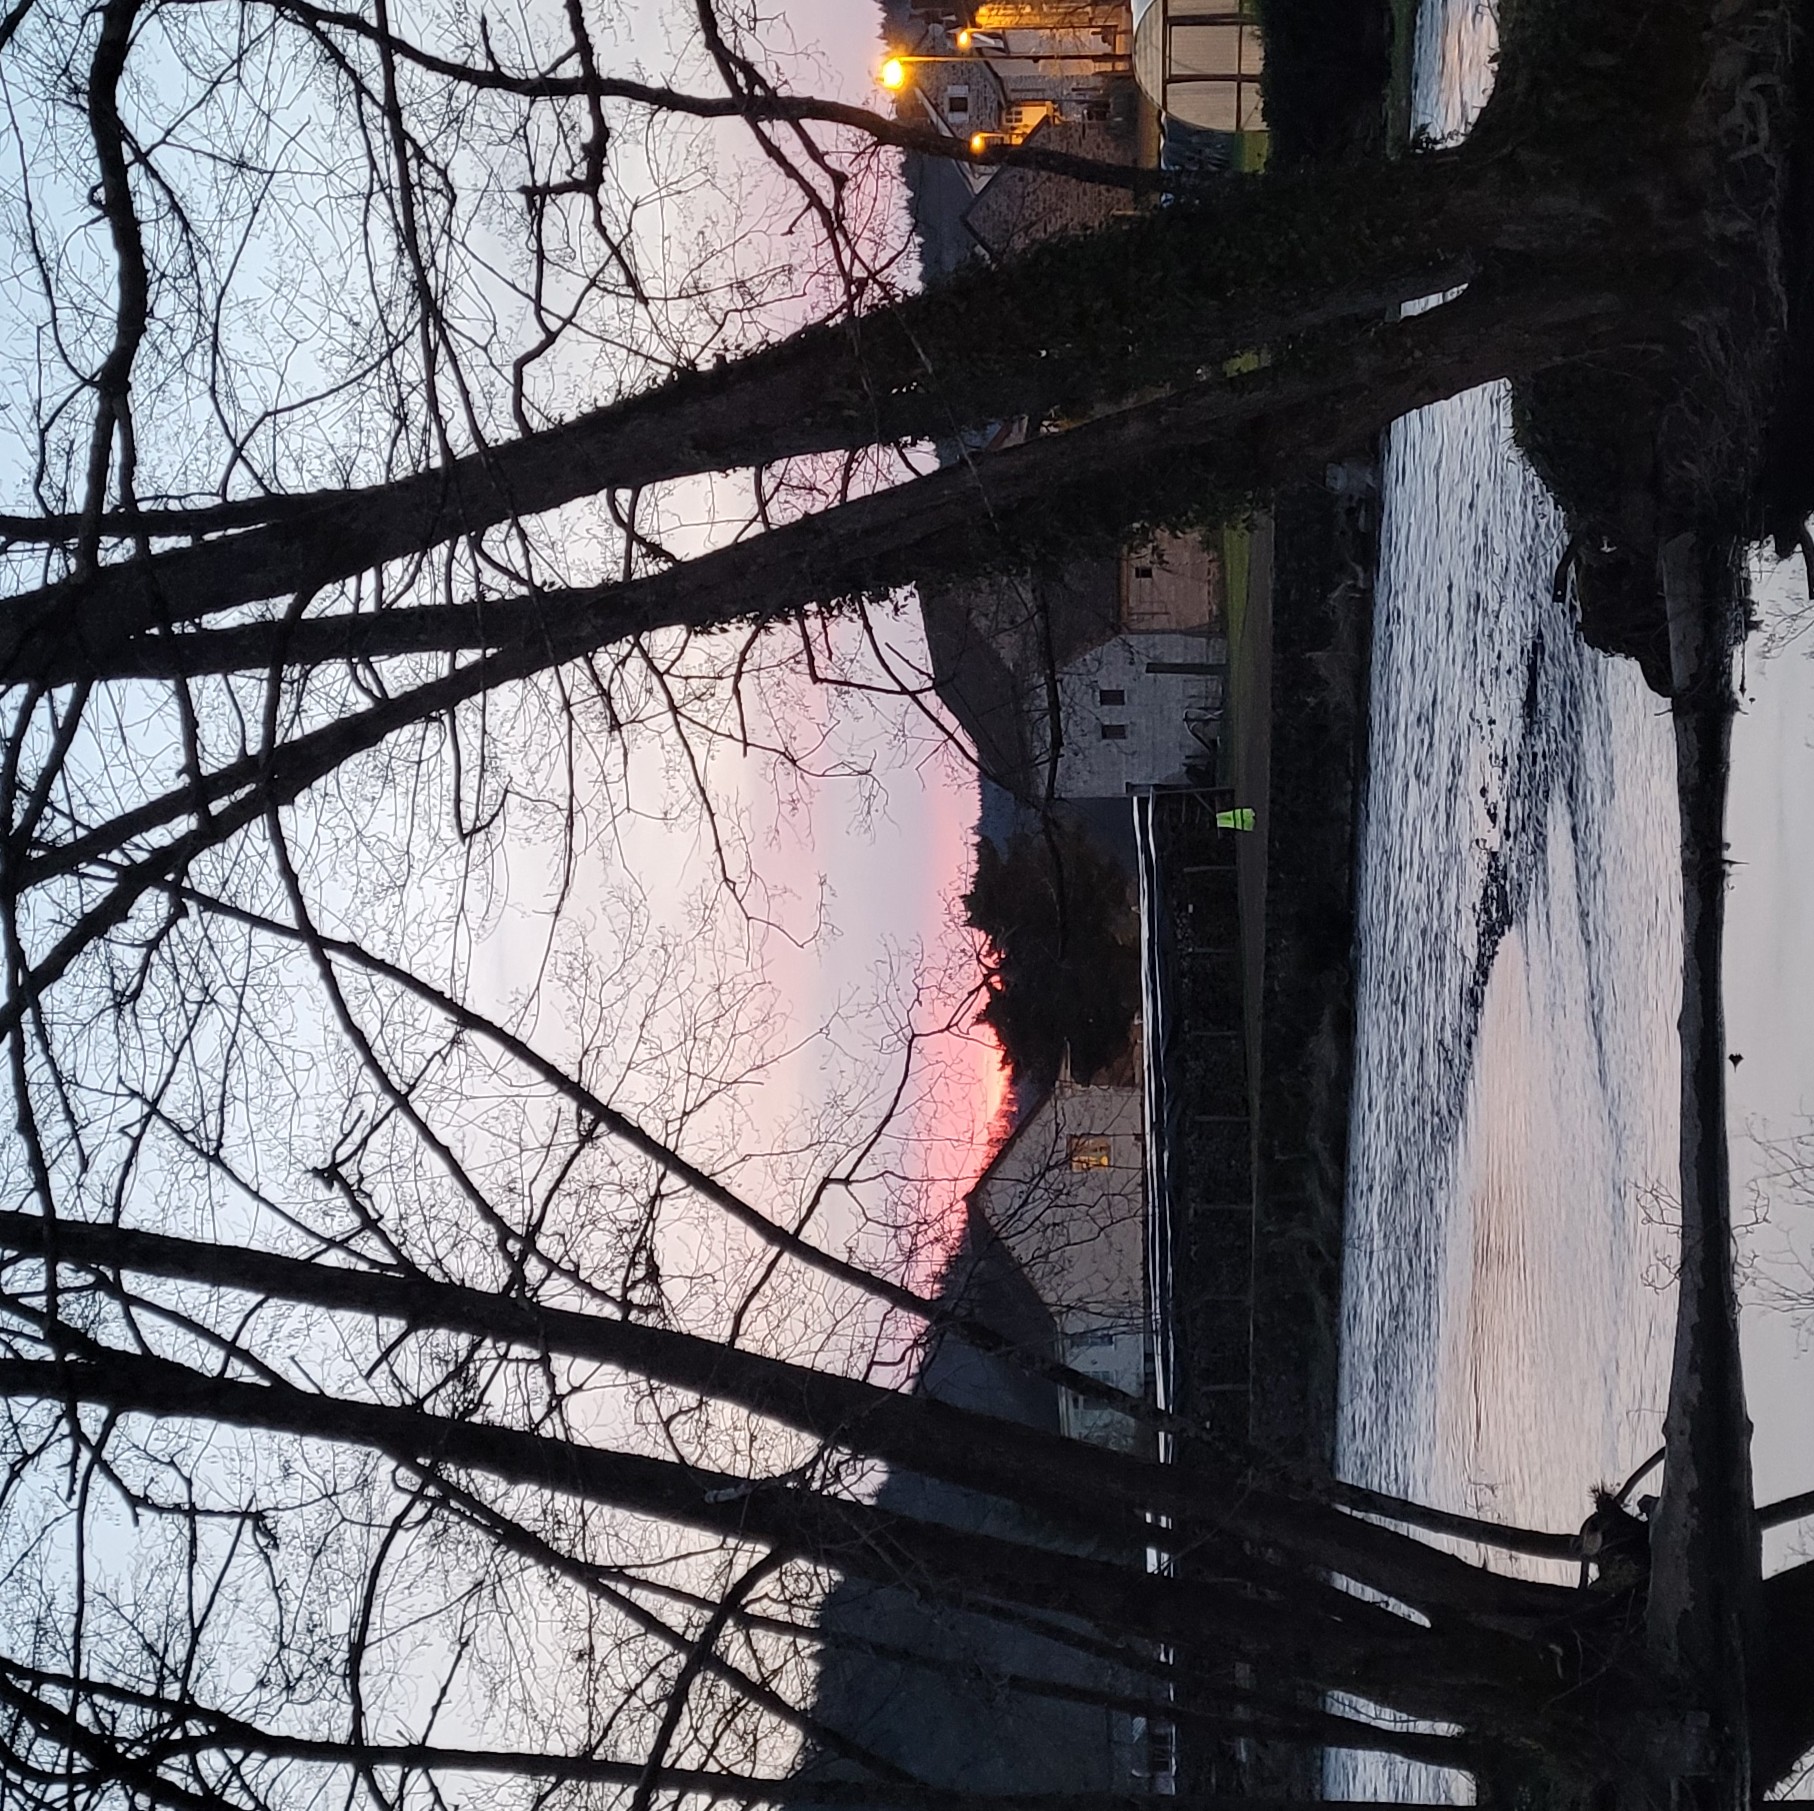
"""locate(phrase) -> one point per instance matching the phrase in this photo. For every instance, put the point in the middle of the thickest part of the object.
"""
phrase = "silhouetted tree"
(347, 392)
(1063, 960)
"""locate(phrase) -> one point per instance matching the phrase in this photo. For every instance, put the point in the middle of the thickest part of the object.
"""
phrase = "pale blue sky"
(1770, 1016)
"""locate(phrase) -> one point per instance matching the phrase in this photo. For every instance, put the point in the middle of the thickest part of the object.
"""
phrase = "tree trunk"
(1702, 1612)
(1163, 459)
(230, 1736)
(1314, 1636)
(1144, 465)
(1096, 1493)
(1077, 325)
(1219, 439)
(1225, 1708)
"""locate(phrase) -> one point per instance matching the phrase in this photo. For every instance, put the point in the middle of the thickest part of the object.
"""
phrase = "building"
(1054, 1257)
(933, 1688)
(1143, 707)
(1060, 75)
(1108, 677)
(1171, 82)
(1132, 651)
(1001, 72)
(1066, 1193)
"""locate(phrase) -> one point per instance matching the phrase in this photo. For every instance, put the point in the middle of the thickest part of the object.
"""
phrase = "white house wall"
(1129, 722)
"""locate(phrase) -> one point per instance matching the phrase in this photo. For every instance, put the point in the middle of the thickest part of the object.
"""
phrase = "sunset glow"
(963, 1117)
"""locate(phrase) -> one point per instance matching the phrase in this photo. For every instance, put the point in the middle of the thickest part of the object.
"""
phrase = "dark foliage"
(1327, 63)
(1589, 431)
(1064, 962)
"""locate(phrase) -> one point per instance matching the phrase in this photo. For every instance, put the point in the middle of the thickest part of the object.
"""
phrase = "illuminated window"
(1212, 64)
(1089, 1153)
(1114, 732)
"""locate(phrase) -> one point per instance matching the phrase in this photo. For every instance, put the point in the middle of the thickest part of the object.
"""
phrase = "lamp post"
(897, 69)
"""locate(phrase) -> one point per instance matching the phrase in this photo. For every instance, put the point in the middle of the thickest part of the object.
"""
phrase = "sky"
(859, 929)
(855, 860)
(870, 869)
(853, 930)
(862, 876)
(1770, 1019)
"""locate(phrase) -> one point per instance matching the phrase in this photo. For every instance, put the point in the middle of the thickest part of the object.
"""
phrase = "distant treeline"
(1063, 962)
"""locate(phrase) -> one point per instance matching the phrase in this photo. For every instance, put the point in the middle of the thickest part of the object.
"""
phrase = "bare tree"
(365, 358)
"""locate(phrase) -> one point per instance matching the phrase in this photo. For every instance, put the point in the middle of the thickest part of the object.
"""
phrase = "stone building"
(1057, 74)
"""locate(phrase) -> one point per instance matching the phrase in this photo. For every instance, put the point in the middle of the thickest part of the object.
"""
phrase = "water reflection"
(1513, 1148)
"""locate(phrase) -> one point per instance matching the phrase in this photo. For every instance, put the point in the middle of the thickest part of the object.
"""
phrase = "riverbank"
(1298, 701)
(1255, 938)
(1261, 1153)
(1325, 549)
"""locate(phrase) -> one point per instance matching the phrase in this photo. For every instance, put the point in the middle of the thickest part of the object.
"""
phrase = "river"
(1508, 1291)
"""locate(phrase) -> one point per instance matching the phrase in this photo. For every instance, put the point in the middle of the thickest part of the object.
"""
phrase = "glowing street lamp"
(895, 73)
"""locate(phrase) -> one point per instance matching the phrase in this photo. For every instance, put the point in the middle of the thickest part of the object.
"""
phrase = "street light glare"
(894, 73)
(963, 38)
(978, 144)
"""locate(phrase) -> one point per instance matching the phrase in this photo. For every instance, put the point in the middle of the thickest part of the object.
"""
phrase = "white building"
(1140, 711)
(1144, 706)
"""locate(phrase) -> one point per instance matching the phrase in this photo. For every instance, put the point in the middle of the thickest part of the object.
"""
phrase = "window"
(1089, 1153)
(1110, 694)
(1212, 72)
(1161, 1752)
(957, 103)
(1114, 732)
(1096, 112)
(1143, 572)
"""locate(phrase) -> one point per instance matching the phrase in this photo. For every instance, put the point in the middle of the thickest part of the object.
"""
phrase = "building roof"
(993, 640)
(1019, 207)
(950, 1716)
(985, 1282)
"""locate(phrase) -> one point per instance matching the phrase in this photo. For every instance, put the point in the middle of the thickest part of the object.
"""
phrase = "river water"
(1508, 1291)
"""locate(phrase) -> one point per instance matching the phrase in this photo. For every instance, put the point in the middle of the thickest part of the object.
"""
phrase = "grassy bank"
(1338, 84)
(1325, 546)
